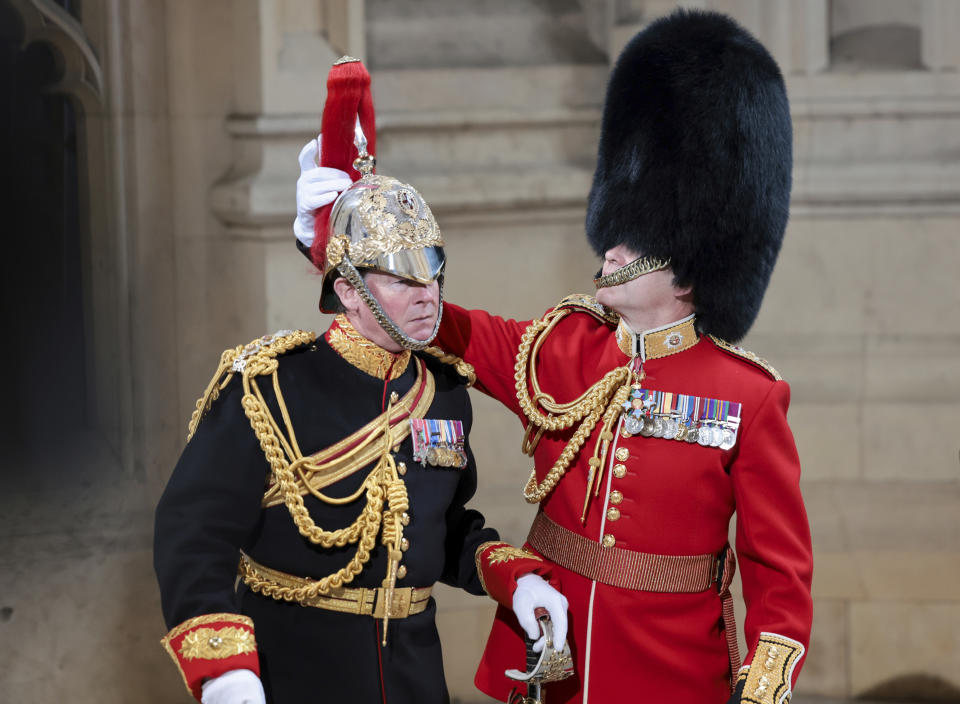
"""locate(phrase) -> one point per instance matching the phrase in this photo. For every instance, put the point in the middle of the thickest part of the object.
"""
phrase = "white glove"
(533, 591)
(234, 687)
(317, 186)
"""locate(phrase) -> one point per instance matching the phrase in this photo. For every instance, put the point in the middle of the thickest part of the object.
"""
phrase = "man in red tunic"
(647, 428)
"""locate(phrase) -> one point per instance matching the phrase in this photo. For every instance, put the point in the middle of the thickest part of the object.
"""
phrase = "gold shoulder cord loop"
(293, 474)
(217, 384)
(603, 399)
(464, 369)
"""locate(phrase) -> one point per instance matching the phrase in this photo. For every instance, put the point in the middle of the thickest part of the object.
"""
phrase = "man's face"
(411, 305)
(649, 292)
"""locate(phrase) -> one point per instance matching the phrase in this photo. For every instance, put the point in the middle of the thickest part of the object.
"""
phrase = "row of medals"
(446, 457)
(638, 421)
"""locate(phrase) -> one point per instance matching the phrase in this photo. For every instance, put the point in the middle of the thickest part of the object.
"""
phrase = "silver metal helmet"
(382, 224)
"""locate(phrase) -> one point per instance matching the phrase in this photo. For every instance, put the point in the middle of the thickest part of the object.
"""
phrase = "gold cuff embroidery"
(476, 558)
(234, 639)
(205, 619)
(507, 553)
(770, 674)
(217, 643)
(365, 355)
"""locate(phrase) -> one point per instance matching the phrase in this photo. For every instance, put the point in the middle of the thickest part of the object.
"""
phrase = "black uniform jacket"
(211, 509)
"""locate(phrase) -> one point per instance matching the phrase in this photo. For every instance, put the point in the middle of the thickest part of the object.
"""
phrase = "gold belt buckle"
(399, 608)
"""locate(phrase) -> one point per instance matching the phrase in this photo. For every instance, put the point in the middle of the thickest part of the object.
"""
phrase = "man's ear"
(347, 294)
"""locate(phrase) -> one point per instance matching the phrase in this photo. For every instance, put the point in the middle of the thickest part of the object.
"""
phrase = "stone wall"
(192, 148)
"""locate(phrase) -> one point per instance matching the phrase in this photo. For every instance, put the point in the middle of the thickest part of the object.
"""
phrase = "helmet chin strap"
(628, 272)
(350, 273)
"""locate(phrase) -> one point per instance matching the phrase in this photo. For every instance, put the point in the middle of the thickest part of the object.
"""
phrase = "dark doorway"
(44, 346)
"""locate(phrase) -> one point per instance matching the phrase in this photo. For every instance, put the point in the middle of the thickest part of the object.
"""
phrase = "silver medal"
(729, 438)
(716, 433)
(658, 427)
(647, 429)
(704, 435)
(632, 424)
(670, 429)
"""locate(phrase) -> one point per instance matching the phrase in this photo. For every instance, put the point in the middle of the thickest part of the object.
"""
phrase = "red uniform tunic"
(670, 498)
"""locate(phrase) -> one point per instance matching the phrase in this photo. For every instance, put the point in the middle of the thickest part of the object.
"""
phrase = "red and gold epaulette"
(588, 304)
(207, 646)
(754, 359)
(500, 565)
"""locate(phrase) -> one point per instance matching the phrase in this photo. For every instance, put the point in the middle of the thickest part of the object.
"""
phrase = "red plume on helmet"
(348, 96)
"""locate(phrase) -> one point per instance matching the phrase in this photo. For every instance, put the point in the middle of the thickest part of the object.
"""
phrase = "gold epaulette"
(588, 304)
(464, 369)
(251, 358)
(754, 359)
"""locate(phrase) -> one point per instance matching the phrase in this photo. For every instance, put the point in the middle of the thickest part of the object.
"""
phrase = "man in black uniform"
(336, 471)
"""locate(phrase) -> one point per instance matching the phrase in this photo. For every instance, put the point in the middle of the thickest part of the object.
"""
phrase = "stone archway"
(89, 260)
(39, 143)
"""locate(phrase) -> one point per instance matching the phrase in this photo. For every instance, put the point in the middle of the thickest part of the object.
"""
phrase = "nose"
(427, 293)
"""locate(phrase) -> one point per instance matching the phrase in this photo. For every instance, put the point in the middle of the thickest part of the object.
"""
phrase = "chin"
(420, 330)
(604, 298)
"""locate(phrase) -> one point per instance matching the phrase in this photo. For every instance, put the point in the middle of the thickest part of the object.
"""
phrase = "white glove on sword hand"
(233, 687)
(317, 186)
(533, 591)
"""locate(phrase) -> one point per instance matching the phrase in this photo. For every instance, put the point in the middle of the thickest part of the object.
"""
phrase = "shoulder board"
(757, 361)
(238, 359)
(268, 347)
(588, 304)
(464, 369)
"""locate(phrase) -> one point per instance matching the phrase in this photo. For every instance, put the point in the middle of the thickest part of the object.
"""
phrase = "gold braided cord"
(291, 471)
(212, 392)
(603, 399)
(464, 369)
(593, 398)
(294, 449)
(600, 451)
(332, 464)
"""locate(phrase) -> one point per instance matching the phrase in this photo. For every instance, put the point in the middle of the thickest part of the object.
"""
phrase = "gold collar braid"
(602, 400)
(658, 342)
(365, 355)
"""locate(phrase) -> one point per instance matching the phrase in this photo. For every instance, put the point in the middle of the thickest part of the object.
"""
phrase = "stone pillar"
(282, 53)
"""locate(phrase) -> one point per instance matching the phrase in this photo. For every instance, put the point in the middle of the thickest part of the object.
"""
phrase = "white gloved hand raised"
(234, 687)
(317, 186)
(533, 591)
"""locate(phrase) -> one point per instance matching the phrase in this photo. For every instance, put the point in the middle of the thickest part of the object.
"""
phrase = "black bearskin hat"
(695, 162)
